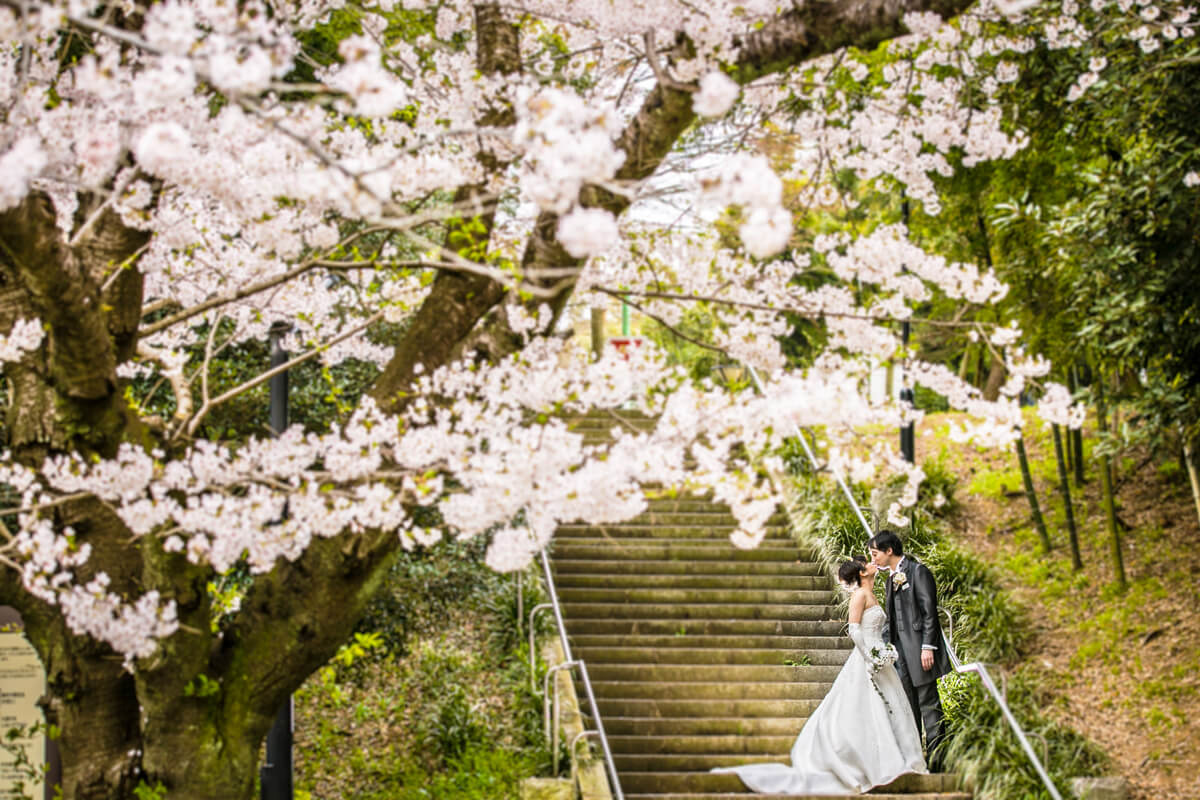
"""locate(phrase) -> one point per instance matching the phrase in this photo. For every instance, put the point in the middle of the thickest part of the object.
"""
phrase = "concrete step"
(609, 626)
(778, 536)
(701, 708)
(699, 690)
(645, 611)
(743, 673)
(641, 581)
(564, 564)
(588, 594)
(778, 746)
(703, 726)
(690, 783)
(703, 655)
(670, 550)
(594, 643)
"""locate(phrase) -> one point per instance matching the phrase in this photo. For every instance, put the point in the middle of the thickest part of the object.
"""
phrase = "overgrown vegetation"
(989, 626)
(432, 697)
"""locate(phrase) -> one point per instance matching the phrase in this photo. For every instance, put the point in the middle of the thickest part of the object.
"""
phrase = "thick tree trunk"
(995, 379)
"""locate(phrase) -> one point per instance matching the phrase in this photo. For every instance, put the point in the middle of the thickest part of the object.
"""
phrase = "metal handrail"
(609, 763)
(977, 667)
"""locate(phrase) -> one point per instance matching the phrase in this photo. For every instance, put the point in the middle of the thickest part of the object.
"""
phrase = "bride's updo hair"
(850, 572)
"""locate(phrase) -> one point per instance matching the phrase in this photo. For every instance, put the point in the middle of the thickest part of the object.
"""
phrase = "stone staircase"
(700, 654)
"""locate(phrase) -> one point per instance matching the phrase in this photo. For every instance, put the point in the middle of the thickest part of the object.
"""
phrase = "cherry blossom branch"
(180, 386)
(266, 376)
(634, 304)
(804, 313)
(58, 501)
(660, 74)
(253, 289)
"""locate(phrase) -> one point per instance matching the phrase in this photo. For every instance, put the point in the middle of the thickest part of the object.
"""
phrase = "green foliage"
(989, 626)
(437, 703)
(146, 791)
(928, 400)
(423, 586)
(202, 686)
(479, 773)
(698, 324)
(449, 726)
(980, 740)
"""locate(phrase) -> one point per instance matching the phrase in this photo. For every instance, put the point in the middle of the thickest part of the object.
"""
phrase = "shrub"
(982, 747)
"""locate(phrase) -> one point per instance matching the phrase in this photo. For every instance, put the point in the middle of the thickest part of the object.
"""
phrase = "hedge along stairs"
(700, 654)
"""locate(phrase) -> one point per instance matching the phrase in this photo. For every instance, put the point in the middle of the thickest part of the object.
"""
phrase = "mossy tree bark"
(192, 716)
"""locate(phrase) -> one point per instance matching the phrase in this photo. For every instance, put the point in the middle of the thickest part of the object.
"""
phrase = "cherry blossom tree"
(423, 186)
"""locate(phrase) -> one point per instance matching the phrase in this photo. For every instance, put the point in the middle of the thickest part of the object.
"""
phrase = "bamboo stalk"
(1106, 485)
(1065, 486)
(1189, 456)
(1030, 494)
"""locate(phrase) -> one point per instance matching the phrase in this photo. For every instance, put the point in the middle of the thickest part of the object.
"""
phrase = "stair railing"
(569, 659)
(977, 667)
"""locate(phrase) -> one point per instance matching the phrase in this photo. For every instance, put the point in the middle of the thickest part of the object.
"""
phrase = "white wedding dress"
(852, 742)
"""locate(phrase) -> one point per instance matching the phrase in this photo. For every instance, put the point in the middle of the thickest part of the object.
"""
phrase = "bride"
(863, 734)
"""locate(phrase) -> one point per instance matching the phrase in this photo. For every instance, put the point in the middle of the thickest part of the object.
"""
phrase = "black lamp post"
(276, 773)
(908, 442)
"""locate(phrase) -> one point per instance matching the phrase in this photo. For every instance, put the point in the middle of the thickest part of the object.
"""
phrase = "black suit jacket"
(913, 622)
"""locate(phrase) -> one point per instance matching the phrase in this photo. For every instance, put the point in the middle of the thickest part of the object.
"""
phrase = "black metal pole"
(908, 441)
(276, 773)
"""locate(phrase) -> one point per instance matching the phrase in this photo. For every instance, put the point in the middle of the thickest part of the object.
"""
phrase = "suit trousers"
(927, 708)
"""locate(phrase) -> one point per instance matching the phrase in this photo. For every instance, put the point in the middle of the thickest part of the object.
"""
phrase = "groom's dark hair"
(886, 540)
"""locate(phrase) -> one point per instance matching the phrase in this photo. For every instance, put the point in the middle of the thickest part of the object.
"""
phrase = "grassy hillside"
(431, 699)
(1123, 668)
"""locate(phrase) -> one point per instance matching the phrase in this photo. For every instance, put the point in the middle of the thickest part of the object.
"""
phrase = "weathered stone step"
(688, 784)
(689, 762)
(669, 550)
(698, 690)
(564, 564)
(687, 503)
(619, 580)
(646, 611)
(874, 795)
(716, 516)
(703, 726)
(712, 627)
(778, 746)
(711, 708)
(747, 673)
(606, 421)
(588, 594)
(749, 642)
(777, 536)
(823, 656)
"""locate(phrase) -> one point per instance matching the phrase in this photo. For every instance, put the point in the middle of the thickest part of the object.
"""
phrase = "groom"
(914, 629)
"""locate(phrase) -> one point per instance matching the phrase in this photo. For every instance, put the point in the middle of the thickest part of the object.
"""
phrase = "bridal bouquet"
(882, 657)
